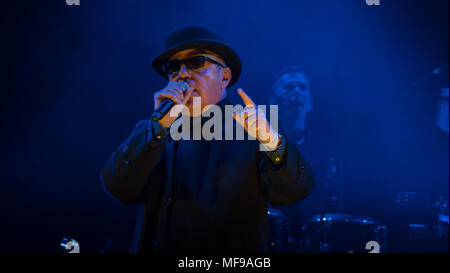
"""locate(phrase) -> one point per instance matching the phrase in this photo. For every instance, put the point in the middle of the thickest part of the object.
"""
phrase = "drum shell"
(339, 233)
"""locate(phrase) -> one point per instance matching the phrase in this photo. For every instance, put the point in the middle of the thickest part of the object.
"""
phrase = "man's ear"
(226, 77)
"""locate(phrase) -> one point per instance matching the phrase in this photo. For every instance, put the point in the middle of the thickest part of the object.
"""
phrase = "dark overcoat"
(198, 196)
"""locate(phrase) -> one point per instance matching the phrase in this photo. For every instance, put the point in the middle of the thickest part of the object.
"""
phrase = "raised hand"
(255, 122)
(175, 92)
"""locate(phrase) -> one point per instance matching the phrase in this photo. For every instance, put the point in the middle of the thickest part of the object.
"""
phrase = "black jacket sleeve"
(125, 175)
(291, 182)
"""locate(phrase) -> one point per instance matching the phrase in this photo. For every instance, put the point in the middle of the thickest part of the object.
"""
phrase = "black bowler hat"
(195, 37)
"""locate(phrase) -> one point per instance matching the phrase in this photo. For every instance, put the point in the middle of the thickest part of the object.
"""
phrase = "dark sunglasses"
(196, 62)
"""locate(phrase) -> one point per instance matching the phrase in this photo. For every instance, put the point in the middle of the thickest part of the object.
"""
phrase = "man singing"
(204, 196)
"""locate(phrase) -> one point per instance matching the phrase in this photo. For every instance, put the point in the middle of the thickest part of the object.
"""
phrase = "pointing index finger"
(247, 100)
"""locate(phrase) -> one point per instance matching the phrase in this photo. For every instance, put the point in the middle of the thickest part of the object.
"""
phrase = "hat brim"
(230, 57)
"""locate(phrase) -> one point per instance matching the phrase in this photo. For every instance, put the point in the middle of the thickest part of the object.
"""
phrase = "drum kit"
(326, 233)
(346, 233)
(422, 225)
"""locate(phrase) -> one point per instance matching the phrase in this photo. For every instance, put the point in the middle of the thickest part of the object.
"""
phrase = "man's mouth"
(194, 94)
(294, 105)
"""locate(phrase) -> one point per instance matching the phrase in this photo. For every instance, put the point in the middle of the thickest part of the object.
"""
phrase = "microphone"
(165, 106)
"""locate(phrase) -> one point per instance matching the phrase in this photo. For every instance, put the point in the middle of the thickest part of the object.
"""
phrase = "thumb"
(239, 118)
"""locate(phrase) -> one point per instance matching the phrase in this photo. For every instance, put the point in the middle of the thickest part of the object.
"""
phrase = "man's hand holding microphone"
(178, 92)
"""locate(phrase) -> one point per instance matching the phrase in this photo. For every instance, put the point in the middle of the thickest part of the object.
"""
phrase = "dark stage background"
(76, 79)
